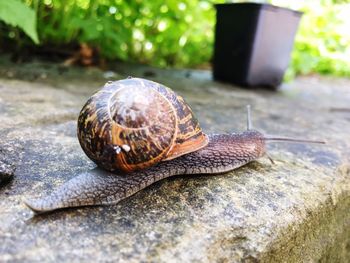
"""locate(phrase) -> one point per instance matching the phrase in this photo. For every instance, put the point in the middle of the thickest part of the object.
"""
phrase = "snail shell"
(134, 123)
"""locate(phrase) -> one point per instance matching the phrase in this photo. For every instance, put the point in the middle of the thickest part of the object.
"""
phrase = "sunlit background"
(165, 33)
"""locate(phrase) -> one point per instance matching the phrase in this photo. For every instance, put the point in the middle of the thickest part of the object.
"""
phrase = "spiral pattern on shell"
(135, 123)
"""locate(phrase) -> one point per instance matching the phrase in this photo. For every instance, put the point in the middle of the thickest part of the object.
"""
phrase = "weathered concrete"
(295, 210)
(8, 160)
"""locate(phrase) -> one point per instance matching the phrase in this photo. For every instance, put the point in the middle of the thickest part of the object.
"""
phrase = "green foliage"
(170, 33)
(323, 41)
(16, 13)
(176, 32)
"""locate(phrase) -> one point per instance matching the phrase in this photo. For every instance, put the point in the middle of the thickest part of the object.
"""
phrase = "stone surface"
(8, 160)
(294, 210)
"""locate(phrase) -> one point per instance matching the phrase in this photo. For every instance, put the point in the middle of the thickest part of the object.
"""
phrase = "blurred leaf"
(16, 13)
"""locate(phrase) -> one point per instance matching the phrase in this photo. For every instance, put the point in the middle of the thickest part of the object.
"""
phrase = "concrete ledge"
(295, 210)
(323, 236)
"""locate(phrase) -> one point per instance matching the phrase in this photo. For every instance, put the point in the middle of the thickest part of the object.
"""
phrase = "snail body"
(148, 115)
(224, 153)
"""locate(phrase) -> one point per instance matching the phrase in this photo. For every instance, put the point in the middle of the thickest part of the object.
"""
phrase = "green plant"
(322, 43)
(17, 14)
(171, 33)
(175, 33)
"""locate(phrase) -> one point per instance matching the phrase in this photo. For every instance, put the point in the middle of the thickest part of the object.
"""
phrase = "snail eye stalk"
(249, 120)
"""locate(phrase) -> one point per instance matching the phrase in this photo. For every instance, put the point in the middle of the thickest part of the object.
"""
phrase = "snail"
(139, 132)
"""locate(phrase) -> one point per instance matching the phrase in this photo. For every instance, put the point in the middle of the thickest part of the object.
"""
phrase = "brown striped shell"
(134, 123)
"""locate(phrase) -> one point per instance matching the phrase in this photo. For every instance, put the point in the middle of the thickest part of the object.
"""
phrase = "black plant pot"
(253, 43)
